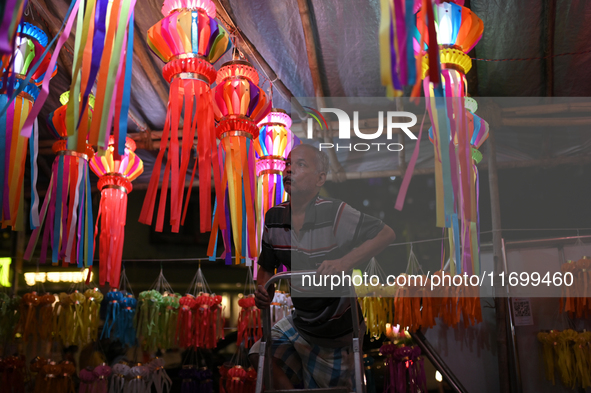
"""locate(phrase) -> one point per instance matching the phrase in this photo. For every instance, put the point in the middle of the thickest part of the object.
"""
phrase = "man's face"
(301, 173)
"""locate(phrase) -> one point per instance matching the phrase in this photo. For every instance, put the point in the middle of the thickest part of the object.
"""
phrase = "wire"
(492, 231)
(536, 58)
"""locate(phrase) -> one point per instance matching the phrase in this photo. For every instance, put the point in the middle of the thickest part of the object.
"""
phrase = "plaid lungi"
(309, 364)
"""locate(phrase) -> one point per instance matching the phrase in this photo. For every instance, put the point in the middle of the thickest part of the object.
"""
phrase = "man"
(313, 346)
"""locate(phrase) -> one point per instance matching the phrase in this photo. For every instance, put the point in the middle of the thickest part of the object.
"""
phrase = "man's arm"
(263, 299)
(360, 254)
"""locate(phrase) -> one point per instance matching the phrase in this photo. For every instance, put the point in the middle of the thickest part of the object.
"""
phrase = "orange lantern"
(240, 104)
(189, 40)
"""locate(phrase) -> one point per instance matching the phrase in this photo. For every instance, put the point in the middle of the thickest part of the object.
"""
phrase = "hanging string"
(535, 58)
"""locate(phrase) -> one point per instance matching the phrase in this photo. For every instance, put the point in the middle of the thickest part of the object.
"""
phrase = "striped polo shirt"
(331, 229)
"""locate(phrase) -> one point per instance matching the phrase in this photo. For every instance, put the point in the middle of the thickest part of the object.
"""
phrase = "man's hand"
(331, 267)
(262, 298)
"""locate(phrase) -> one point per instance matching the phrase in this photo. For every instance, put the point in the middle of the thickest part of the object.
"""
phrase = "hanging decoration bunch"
(569, 353)
(237, 376)
(576, 298)
(250, 327)
(196, 380)
(445, 33)
(156, 316)
(189, 40)
(121, 310)
(12, 373)
(95, 380)
(21, 72)
(54, 377)
(272, 147)
(201, 320)
(406, 369)
(158, 376)
(377, 303)
(398, 65)
(36, 314)
(9, 316)
(240, 104)
(76, 316)
(282, 305)
(115, 172)
(67, 208)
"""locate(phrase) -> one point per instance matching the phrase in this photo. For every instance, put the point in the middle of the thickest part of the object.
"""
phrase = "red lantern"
(116, 174)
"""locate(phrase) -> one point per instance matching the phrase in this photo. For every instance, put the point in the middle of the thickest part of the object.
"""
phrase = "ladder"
(264, 366)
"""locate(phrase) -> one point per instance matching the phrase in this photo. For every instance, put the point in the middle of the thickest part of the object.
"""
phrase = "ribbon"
(410, 170)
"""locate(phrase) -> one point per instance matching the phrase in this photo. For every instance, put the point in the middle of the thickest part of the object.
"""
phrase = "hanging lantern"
(449, 32)
(116, 174)
(272, 147)
(30, 43)
(189, 40)
(240, 104)
(67, 208)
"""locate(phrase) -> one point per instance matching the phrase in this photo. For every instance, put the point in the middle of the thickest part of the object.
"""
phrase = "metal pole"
(437, 362)
(500, 303)
(514, 351)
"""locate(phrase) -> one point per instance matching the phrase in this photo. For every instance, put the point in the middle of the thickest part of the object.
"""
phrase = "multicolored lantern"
(189, 40)
(116, 174)
(30, 43)
(240, 104)
(272, 147)
(67, 208)
(450, 31)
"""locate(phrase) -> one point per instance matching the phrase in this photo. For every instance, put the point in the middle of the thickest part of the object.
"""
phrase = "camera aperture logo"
(393, 119)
